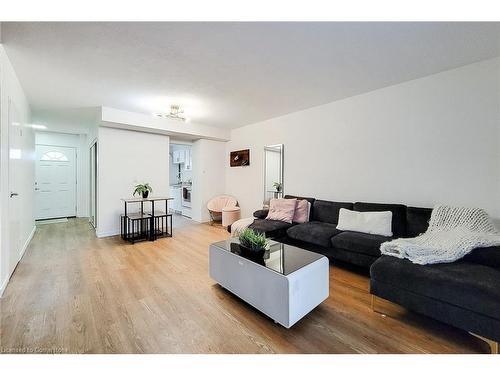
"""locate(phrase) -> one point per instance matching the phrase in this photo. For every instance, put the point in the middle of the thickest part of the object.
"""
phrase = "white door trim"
(95, 178)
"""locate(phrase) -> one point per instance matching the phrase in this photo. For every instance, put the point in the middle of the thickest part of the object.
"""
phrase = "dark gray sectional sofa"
(320, 234)
(464, 294)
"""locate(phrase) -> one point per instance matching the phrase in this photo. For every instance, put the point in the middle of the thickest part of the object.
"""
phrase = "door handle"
(13, 194)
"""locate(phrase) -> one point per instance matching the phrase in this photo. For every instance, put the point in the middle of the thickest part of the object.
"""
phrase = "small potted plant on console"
(143, 189)
(277, 186)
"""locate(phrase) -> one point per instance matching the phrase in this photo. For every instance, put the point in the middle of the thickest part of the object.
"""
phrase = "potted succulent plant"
(143, 189)
(277, 186)
(253, 242)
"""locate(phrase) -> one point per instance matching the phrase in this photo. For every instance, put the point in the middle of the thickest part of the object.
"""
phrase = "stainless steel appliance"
(186, 195)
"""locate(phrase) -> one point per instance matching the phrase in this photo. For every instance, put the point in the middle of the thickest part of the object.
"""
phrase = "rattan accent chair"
(216, 204)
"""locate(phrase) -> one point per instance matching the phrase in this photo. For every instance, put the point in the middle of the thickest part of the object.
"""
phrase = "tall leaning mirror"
(273, 172)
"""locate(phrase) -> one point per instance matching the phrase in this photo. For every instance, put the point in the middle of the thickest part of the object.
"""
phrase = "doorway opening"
(61, 176)
(181, 178)
(55, 182)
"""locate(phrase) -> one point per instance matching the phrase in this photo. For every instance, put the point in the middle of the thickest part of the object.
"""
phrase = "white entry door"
(55, 184)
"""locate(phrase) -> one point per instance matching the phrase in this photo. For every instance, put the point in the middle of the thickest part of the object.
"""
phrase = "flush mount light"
(35, 126)
(174, 114)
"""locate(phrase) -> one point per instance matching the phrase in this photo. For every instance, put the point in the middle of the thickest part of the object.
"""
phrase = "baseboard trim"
(27, 243)
(2, 288)
(23, 250)
(106, 234)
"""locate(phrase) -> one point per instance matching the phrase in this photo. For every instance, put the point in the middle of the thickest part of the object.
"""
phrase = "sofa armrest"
(260, 214)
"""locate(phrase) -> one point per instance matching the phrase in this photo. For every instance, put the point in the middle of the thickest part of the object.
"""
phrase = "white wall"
(93, 129)
(427, 141)
(10, 89)
(79, 142)
(209, 159)
(127, 158)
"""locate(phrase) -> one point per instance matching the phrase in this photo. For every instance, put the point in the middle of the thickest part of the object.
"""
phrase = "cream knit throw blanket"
(453, 233)
(238, 226)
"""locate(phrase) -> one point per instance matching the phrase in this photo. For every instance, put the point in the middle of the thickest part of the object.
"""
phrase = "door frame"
(76, 173)
(96, 162)
(14, 245)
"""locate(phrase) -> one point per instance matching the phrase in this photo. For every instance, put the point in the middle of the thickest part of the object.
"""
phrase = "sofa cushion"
(347, 256)
(357, 242)
(302, 211)
(310, 200)
(467, 285)
(315, 232)
(282, 209)
(398, 215)
(271, 228)
(328, 212)
(417, 220)
(261, 214)
(487, 256)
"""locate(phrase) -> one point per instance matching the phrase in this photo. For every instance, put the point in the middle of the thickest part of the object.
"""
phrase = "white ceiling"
(231, 74)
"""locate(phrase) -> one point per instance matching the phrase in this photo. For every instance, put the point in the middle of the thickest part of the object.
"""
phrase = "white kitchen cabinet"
(188, 163)
(176, 202)
(186, 211)
(179, 156)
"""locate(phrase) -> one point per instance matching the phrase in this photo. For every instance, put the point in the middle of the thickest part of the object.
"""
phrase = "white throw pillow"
(379, 222)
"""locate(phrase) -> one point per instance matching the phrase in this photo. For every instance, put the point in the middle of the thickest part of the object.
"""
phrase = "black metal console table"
(145, 225)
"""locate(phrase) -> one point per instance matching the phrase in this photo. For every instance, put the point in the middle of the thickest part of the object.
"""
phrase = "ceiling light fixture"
(174, 114)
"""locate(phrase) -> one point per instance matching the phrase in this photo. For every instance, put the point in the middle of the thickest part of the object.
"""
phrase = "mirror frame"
(282, 159)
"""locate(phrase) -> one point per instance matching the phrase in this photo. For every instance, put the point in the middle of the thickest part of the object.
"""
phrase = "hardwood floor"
(74, 293)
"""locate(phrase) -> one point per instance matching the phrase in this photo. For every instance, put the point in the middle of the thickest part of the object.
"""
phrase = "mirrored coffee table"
(286, 283)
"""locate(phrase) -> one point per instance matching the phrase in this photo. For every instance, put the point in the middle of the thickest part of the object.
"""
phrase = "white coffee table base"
(284, 298)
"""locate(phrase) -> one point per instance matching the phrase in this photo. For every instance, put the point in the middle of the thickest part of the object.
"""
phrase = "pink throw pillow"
(282, 210)
(301, 211)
